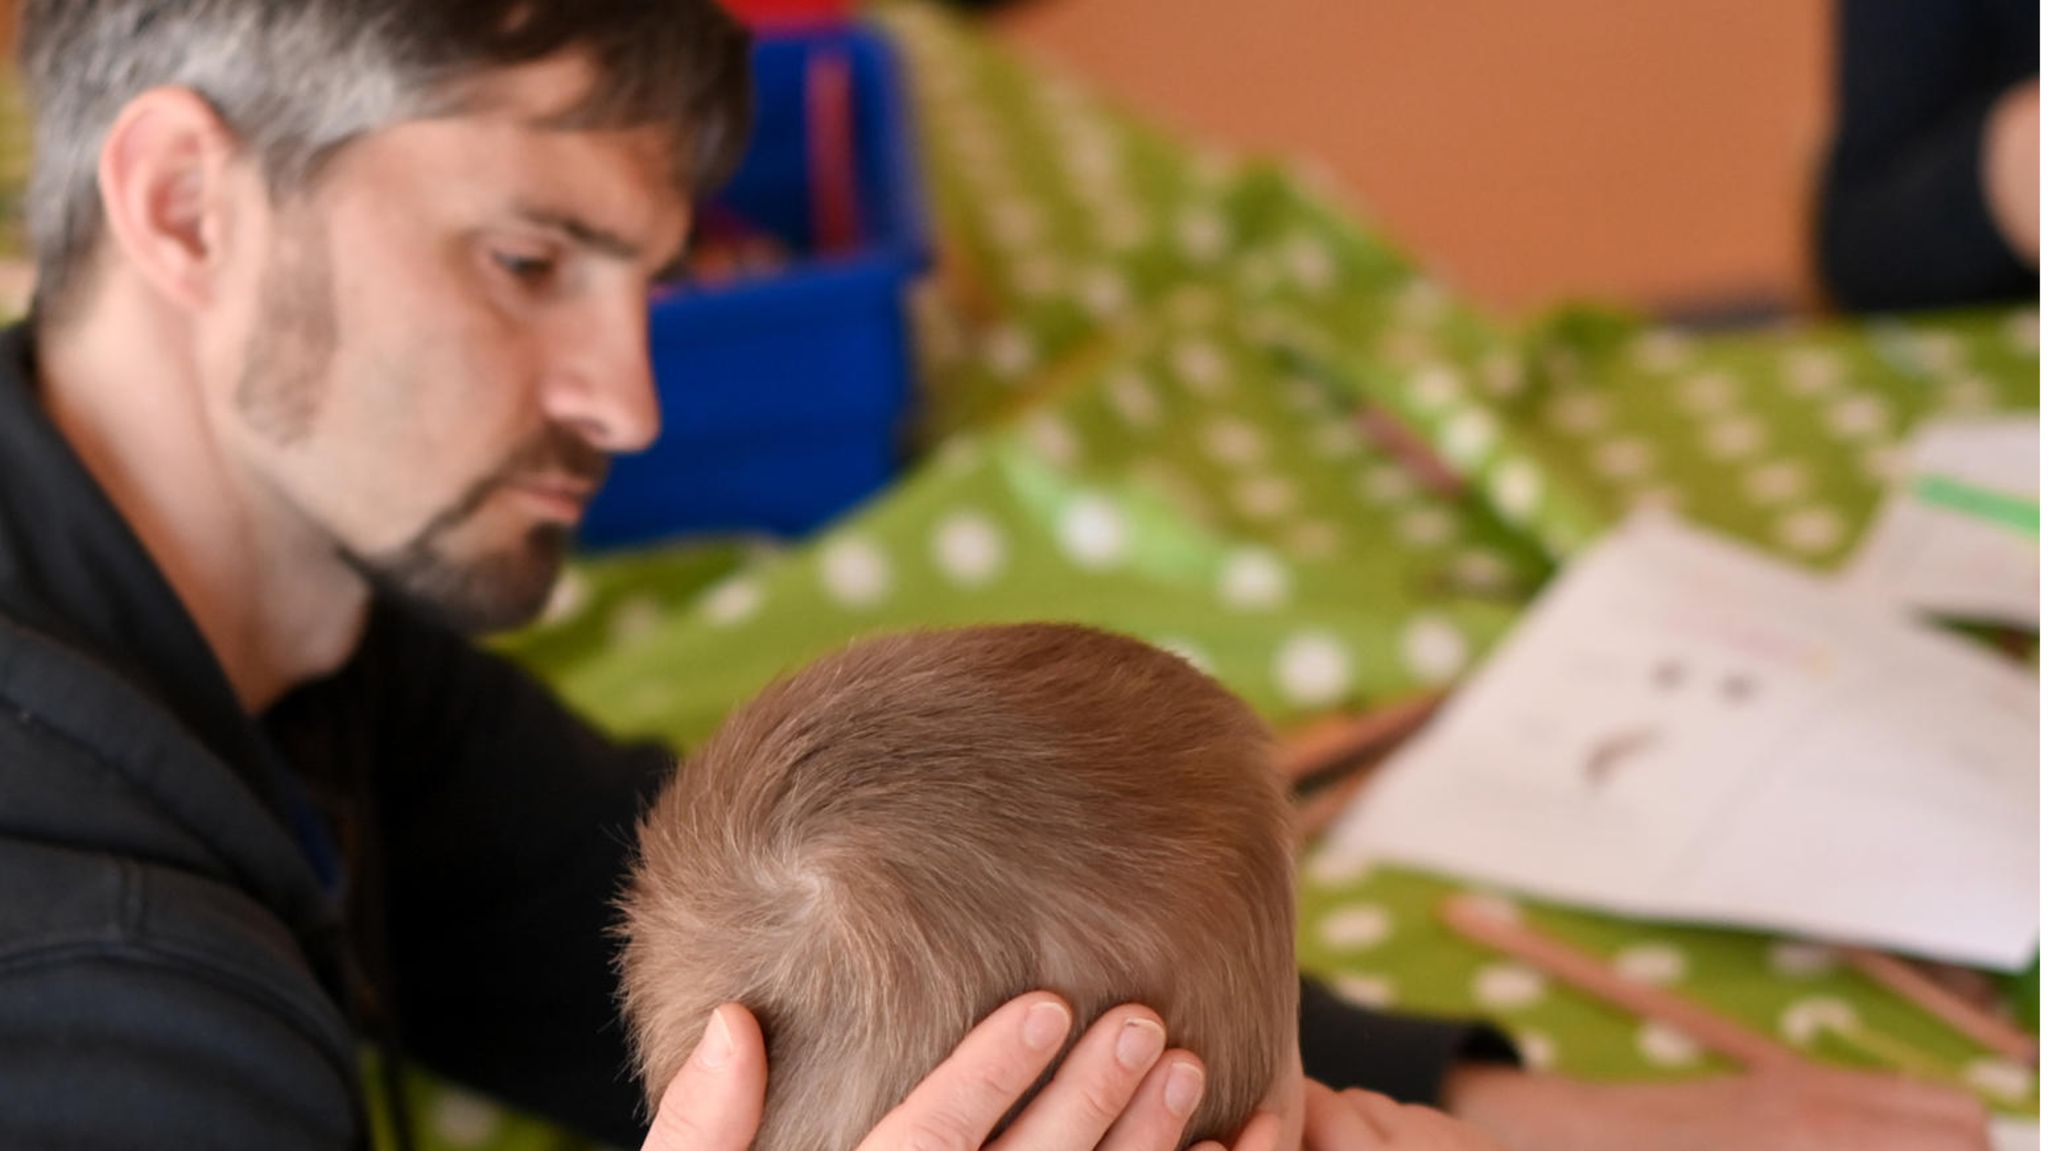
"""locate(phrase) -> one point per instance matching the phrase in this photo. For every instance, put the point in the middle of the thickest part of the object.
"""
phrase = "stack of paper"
(1685, 729)
(1961, 534)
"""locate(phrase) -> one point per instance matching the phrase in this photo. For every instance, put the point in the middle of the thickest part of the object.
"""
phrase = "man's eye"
(532, 271)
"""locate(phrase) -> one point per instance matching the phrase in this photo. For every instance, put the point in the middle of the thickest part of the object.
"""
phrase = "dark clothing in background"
(202, 915)
(1405, 1056)
(1903, 219)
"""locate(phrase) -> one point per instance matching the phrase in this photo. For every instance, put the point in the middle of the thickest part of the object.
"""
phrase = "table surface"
(1145, 361)
(1144, 364)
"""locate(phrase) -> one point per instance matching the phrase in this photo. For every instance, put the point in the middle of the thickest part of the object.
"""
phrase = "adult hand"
(1792, 1109)
(2011, 159)
(1362, 1121)
(1118, 1090)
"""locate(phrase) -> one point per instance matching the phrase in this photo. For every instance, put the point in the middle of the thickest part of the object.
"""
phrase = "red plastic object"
(784, 14)
(835, 189)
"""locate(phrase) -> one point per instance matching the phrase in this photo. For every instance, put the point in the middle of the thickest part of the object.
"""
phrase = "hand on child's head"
(715, 1103)
(1358, 1120)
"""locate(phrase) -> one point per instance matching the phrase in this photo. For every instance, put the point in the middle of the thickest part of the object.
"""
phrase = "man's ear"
(168, 185)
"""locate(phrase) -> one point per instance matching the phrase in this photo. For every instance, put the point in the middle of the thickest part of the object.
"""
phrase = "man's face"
(445, 339)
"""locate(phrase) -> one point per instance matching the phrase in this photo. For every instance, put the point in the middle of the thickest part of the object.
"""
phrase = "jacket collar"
(73, 570)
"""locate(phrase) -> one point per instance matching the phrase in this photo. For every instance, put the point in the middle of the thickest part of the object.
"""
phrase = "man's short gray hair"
(298, 79)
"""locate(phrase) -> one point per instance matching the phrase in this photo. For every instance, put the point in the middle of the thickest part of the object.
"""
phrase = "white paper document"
(1686, 729)
(1960, 535)
(2015, 1134)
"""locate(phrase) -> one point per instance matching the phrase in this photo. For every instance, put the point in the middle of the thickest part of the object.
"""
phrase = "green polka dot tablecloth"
(1785, 438)
(16, 131)
(1182, 489)
(1182, 395)
(1373, 934)
(1144, 369)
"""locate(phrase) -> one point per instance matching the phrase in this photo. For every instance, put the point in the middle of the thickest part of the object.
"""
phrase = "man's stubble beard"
(283, 389)
(499, 589)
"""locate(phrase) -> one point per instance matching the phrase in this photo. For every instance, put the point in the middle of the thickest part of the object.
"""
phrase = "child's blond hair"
(878, 851)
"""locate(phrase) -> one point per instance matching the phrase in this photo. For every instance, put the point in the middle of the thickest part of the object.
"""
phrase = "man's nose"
(603, 386)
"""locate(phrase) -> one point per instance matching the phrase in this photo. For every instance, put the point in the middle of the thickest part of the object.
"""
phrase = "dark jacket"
(183, 962)
(204, 914)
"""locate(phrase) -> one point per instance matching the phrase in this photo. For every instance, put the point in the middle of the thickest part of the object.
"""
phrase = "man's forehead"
(556, 97)
(511, 152)
(541, 91)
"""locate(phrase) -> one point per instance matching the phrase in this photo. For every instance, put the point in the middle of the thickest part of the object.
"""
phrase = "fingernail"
(1139, 1044)
(1183, 1089)
(715, 1049)
(1045, 1025)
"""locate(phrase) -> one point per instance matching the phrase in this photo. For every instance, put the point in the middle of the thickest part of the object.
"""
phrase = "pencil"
(1314, 815)
(1325, 753)
(1482, 924)
(1901, 978)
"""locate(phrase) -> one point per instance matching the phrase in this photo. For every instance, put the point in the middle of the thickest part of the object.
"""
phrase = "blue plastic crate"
(783, 399)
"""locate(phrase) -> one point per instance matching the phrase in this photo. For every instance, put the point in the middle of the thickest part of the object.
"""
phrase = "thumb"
(714, 1102)
(1329, 1123)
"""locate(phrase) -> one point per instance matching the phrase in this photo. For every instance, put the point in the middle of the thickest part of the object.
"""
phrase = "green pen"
(2018, 513)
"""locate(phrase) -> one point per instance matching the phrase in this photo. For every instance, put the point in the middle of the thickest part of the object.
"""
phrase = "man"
(341, 309)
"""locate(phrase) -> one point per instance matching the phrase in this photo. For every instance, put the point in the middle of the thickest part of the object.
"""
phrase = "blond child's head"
(880, 850)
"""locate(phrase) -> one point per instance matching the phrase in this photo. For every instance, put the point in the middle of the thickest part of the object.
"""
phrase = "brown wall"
(1655, 152)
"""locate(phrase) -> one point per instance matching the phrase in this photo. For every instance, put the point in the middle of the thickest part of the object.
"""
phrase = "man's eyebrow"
(584, 233)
